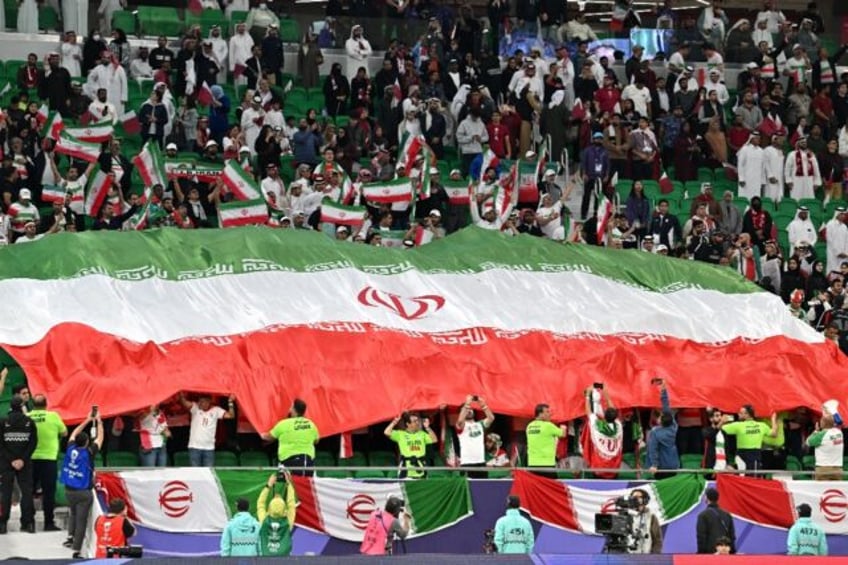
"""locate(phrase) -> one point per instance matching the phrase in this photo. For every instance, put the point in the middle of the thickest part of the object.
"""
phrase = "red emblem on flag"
(175, 499)
(413, 308)
(359, 509)
(834, 505)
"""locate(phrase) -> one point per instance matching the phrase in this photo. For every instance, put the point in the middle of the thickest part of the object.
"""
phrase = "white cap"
(530, 155)
(171, 146)
(211, 142)
(550, 172)
(435, 212)
(661, 247)
(25, 194)
(434, 171)
(340, 229)
(244, 150)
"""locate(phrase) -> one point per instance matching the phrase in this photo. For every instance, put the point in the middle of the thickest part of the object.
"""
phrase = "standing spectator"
(336, 91)
(18, 440)
(470, 136)
(829, 449)
(542, 437)
(204, 424)
(513, 532)
(801, 171)
(757, 223)
(152, 432)
(140, 66)
(638, 209)
(662, 441)
(752, 115)
(153, 117)
(730, 218)
(71, 54)
(273, 55)
(241, 535)
(471, 434)
(749, 437)
(643, 146)
(54, 84)
(806, 537)
(296, 437)
(665, 227)
(28, 74)
(78, 478)
(595, 164)
(309, 60)
(240, 50)
(161, 54)
(50, 430)
(412, 443)
(358, 50)
(22, 212)
(714, 524)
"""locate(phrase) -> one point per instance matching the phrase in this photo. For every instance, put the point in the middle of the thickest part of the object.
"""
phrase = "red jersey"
(497, 138)
(607, 98)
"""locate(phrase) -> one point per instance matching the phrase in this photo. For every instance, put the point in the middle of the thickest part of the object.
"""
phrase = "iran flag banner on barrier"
(341, 507)
(186, 499)
(772, 502)
(398, 190)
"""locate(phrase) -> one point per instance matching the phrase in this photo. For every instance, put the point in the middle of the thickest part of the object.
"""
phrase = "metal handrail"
(578, 473)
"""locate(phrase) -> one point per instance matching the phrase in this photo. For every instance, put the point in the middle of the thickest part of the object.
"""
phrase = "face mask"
(105, 63)
(96, 37)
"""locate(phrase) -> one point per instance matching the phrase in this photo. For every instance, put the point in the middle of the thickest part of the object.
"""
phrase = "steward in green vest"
(276, 518)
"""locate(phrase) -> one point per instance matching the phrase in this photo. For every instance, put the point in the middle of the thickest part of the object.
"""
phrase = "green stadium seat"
(358, 459)
(181, 459)
(705, 174)
(334, 474)
(122, 459)
(690, 461)
(289, 31)
(782, 220)
(159, 21)
(369, 474)
(125, 20)
(383, 459)
(787, 206)
(325, 459)
(226, 459)
(12, 68)
(48, 19)
(237, 16)
(809, 462)
(500, 474)
(741, 204)
(209, 18)
(768, 203)
(831, 207)
(814, 204)
(622, 189)
(254, 459)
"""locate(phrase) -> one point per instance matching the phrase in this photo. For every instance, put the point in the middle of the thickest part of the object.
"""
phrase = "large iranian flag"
(341, 508)
(573, 508)
(279, 314)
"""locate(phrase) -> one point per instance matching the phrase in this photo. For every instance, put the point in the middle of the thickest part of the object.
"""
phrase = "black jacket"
(714, 523)
(18, 437)
(56, 88)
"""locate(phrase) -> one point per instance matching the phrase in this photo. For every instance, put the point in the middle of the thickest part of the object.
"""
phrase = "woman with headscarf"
(555, 120)
(791, 279)
(817, 280)
(638, 209)
(120, 47)
(153, 116)
(686, 154)
(360, 90)
(336, 91)
(218, 112)
(309, 60)
(92, 49)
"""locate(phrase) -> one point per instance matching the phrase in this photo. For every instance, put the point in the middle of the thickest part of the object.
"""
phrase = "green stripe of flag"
(471, 250)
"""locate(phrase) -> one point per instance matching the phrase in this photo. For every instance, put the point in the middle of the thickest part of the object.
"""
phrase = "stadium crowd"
(628, 153)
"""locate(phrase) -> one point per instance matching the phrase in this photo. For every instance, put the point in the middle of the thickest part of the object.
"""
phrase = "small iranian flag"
(241, 184)
(412, 145)
(398, 190)
(140, 219)
(97, 133)
(564, 506)
(42, 113)
(169, 500)
(490, 161)
(53, 126)
(67, 145)
(96, 191)
(773, 502)
(204, 95)
(150, 165)
(341, 508)
(346, 445)
(243, 213)
(666, 187)
(392, 238)
(335, 213)
(459, 192)
(605, 209)
(52, 193)
(130, 123)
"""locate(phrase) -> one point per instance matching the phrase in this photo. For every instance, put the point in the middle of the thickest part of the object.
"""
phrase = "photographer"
(276, 518)
(662, 441)
(383, 526)
(78, 477)
(113, 529)
(471, 434)
(513, 532)
(647, 535)
(412, 443)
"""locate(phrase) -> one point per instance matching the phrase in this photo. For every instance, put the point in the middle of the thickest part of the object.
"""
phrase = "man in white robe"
(358, 50)
(241, 46)
(751, 167)
(836, 233)
(800, 229)
(111, 76)
(801, 171)
(220, 50)
(773, 160)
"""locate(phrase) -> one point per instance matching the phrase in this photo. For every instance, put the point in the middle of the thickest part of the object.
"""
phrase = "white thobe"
(236, 6)
(71, 56)
(800, 230)
(837, 243)
(773, 160)
(250, 127)
(804, 180)
(103, 112)
(75, 17)
(220, 50)
(358, 51)
(751, 170)
(114, 80)
(28, 17)
(106, 9)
